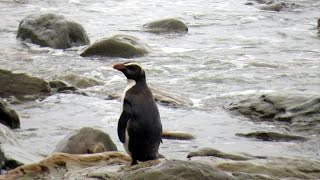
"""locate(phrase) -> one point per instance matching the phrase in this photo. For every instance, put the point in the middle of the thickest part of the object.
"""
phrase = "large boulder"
(8, 116)
(87, 140)
(166, 26)
(124, 46)
(22, 85)
(12, 154)
(51, 30)
(299, 111)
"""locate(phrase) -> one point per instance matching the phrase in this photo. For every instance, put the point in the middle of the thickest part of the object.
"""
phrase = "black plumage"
(140, 117)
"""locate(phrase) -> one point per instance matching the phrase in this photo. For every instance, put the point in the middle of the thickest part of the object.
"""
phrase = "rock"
(51, 30)
(176, 169)
(299, 111)
(86, 140)
(80, 81)
(58, 86)
(166, 26)
(217, 153)
(8, 116)
(166, 98)
(272, 136)
(124, 46)
(102, 166)
(115, 165)
(177, 135)
(163, 97)
(22, 85)
(12, 154)
(60, 165)
(273, 7)
(319, 25)
(265, 168)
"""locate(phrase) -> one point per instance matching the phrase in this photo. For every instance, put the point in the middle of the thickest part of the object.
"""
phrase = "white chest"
(130, 84)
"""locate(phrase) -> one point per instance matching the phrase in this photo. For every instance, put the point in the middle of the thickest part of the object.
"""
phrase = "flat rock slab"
(299, 111)
(272, 136)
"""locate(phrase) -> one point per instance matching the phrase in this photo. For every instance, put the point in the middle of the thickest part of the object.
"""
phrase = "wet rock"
(22, 86)
(102, 166)
(12, 154)
(61, 165)
(273, 7)
(166, 26)
(265, 168)
(177, 135)
(176, 169)
(115, 165)
(86, 140)
(166, 98)
(51, 30)
(124, 46)
(59, 86)
(163, 97)
(272, 136)
(8, 116)
(80, 81)
(217, 153)
(299, 111)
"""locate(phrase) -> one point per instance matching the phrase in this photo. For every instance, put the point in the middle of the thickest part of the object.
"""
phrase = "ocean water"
(231, 50)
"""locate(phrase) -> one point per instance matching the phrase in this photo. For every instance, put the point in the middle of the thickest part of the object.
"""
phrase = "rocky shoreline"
(93, 155)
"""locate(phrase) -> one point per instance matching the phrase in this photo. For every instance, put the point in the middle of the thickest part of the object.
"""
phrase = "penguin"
(139, 125)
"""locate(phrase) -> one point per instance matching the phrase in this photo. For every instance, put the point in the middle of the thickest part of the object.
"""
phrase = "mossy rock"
(87, 140)
(20, 85)
(51, 30)
(8, 116)
(166, 26)
(124, 46)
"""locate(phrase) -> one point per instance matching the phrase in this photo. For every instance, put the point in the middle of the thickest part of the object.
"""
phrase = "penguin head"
(132, 70)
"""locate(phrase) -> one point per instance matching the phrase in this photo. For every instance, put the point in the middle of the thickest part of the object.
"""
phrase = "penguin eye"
(131, 69)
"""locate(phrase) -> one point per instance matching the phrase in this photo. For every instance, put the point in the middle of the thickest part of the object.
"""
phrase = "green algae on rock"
(124, 46)
(51, 30)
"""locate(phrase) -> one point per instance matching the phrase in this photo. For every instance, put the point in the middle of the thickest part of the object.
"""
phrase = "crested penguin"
(139, 125)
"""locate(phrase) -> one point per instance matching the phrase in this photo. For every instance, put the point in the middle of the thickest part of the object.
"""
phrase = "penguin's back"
(144, 128)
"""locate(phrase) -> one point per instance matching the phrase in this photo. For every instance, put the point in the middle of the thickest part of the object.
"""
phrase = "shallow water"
(231, 50)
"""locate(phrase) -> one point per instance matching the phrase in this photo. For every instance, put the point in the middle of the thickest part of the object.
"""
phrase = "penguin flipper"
(124, 118)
